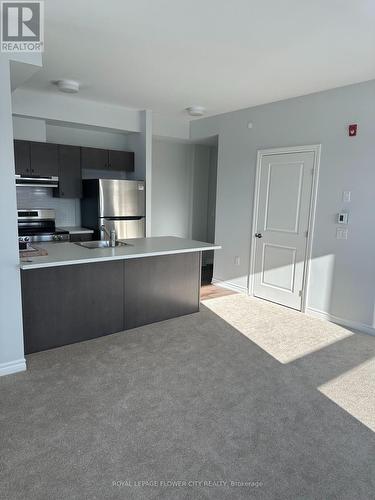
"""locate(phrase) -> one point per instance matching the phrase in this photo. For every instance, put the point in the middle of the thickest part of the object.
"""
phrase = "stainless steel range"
(38, 224)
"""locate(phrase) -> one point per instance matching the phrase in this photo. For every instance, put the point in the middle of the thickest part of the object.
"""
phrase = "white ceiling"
(165, 55)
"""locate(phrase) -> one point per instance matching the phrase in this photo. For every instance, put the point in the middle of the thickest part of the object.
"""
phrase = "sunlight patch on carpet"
(354, 391)
(283, 333)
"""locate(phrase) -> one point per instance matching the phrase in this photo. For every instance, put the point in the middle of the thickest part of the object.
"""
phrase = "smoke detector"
(196, 110)
(68, 86)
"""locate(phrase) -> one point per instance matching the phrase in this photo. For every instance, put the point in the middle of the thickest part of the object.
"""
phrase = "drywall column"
(146, 133)
(141, 144)
(11, 337)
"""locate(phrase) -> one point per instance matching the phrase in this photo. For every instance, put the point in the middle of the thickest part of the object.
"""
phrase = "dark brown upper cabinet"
(44, 159)
(94, 158)
(36, 158)
(121, 160)
(102, 159)
(70, 176)
(22, 157)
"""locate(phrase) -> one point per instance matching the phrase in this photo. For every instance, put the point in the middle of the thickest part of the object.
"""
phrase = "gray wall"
(343, 272)
(29, 129)
(182, 192)
(11, 338)
(85, 136)
(171, 188)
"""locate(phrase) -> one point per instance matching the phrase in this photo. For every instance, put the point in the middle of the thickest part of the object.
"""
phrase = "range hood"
(23, 180)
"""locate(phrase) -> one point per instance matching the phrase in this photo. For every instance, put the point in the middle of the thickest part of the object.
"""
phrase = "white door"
(285, 188)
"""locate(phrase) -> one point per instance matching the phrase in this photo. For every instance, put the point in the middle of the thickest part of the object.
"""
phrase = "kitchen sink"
(100, 244)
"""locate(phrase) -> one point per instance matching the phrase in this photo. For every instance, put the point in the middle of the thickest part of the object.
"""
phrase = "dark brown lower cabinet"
(80, 237)
(159, 288)
(67, 304)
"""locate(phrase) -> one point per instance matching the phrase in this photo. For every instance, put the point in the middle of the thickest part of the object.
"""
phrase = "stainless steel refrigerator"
(114, 204)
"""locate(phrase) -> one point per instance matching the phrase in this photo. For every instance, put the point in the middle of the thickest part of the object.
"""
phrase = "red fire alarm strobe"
(353, 130)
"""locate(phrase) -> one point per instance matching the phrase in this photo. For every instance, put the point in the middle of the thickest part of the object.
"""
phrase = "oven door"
(35, 227)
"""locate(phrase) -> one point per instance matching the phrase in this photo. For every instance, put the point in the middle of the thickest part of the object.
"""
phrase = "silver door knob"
(258, 235)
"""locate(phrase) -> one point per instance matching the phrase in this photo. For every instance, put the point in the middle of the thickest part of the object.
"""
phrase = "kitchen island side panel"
(68, 304)
(161, 287)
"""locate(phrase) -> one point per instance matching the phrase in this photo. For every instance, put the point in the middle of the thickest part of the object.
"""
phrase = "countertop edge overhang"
(179, 245)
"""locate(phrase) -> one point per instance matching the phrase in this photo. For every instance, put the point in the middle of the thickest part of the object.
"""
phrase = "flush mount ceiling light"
(67, 86)
(196, 110)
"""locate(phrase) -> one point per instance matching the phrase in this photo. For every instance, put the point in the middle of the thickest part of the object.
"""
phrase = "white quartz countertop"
(65, 254)
(76, 229)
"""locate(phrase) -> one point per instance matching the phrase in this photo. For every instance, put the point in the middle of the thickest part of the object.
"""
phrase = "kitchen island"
(75, 293)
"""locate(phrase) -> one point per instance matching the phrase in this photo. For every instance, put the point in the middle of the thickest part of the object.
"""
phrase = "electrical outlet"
(341, 233)
(236, 261)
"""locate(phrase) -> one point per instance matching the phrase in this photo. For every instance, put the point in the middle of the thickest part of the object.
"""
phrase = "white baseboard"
(19, 365)
(353, 325)
(229, 285)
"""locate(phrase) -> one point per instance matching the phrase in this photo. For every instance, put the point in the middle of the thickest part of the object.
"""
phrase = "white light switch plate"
(341, 233)
(346, 196)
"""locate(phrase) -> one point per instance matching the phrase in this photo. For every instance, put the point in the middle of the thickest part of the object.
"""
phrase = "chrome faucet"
(111, 235)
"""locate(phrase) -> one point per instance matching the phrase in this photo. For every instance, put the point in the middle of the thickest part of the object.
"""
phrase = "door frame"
(316, 149)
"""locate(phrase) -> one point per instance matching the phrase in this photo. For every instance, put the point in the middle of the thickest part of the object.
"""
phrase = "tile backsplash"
(68, 211)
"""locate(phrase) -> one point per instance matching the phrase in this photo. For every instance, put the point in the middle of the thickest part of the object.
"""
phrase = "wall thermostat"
(342, 218)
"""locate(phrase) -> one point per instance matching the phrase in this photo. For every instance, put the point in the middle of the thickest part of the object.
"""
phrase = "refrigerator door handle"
(131, 217)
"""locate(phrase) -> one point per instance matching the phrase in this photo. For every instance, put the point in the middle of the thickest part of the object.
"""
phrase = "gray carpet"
(190, 400)
(338, 362)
